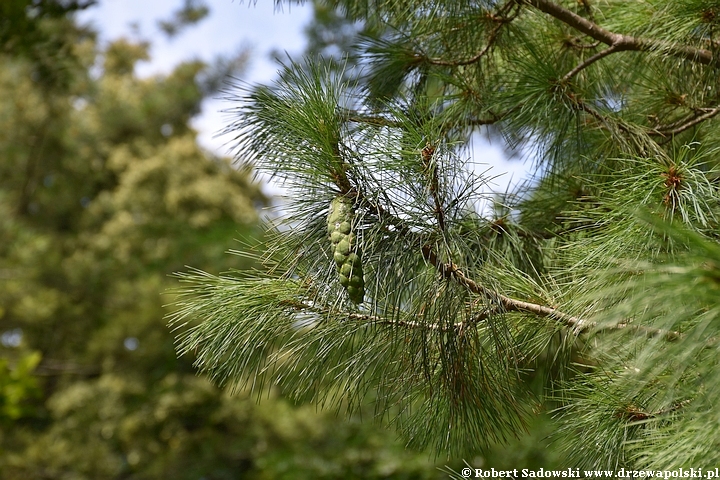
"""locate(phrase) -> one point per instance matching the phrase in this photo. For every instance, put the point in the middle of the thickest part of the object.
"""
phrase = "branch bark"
(376, 120)
(590, 61)
(451, 271)
(432, 171)
(622, 42)
(349, 115)
(676, 128)
(365, 318)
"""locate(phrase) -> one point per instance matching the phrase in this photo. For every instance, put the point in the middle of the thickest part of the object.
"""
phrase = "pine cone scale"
(346, 248)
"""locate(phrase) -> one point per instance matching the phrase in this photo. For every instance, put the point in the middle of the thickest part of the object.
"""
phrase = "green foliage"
(39, 31)
(18, 387)
(104, 192)
(590, 292)
(192, 11)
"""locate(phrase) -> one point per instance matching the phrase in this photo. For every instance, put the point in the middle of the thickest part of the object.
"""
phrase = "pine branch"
(577, 324)
(574, 43)
(685, 124)
(494, 33)
(634, 414)
(380, 121)
(602, 119)
(600, 55)
(365, 318)
(508, 304)
(650, 332)
(451, 271)
(478, 122)
(350, 115)
(358, 117)
(619, 41)
(505, 305)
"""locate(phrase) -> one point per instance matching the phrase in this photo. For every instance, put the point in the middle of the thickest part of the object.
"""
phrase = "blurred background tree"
(104, 192)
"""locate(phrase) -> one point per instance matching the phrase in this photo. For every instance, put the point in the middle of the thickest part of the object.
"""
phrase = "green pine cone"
(346, 250)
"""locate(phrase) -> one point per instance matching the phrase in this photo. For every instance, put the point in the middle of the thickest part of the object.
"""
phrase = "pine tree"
(591, 292)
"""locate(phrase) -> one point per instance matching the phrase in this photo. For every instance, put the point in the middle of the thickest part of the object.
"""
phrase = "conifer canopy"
(590, 292)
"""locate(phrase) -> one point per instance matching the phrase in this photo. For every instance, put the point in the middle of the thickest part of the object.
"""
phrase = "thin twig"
(365, 318)
(694, 120)
(376, 120)
(431, 169)
(576, 43)
(381, 121)
(602, 119)
(477, 122)
(673, 408)
(505, 305)
(589, 61)
(634, 414)
(501, 21)
(650, 332)
(658, 129)
(577, 324)
(468, 61)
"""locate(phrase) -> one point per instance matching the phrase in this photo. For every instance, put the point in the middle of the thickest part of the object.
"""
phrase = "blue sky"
(231, 25)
